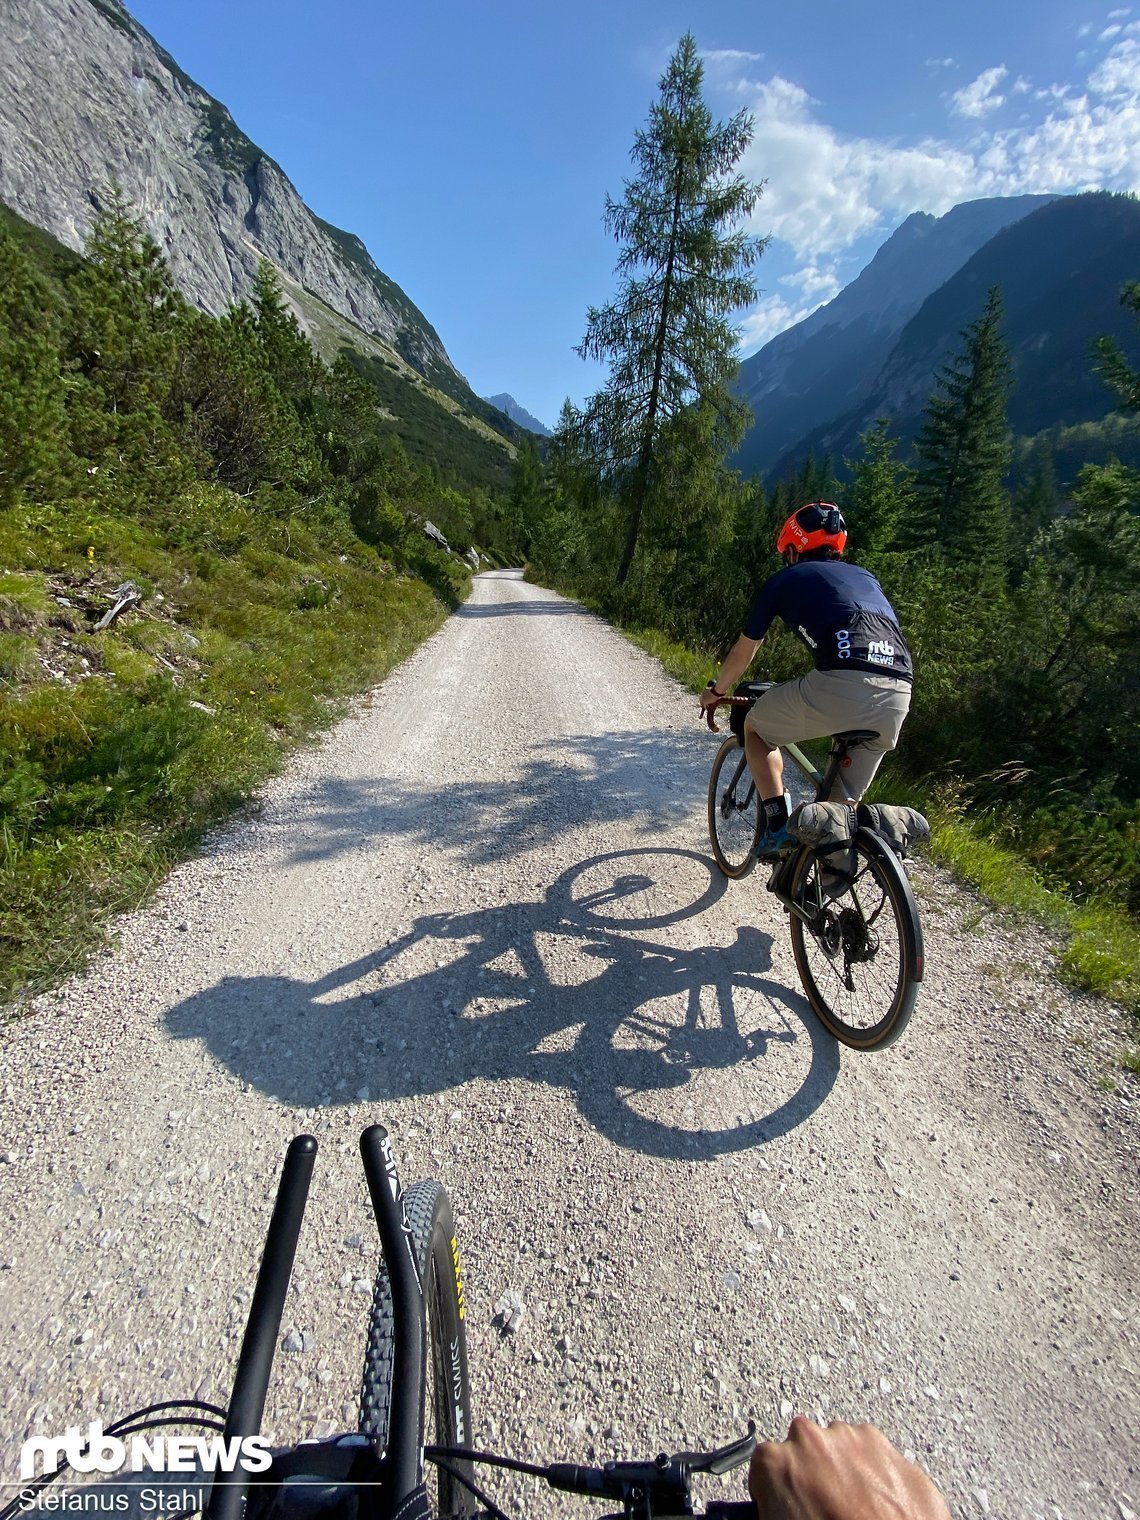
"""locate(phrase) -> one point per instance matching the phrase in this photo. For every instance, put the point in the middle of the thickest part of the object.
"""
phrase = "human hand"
(846, 1472)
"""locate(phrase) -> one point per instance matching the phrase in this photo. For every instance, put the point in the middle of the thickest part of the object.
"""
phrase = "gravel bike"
(410, 1458)
(856, 933)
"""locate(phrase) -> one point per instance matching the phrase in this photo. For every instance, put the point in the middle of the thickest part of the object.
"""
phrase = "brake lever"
(660, 1487)
(724, 1459)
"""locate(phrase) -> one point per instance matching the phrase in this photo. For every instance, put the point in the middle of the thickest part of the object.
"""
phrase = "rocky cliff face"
(87, 96)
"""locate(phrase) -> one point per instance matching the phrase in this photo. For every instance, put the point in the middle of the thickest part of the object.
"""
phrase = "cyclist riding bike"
(863, 671)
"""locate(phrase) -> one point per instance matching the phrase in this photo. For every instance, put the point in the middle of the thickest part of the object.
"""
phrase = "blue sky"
(471, 145)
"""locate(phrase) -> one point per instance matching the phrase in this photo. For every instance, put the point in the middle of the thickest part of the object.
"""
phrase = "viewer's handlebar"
(325, 1478)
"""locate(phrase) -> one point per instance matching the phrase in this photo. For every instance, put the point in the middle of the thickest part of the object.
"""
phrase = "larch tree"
(684, 268)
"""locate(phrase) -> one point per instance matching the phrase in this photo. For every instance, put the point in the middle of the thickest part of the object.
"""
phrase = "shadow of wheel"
(703, 1054)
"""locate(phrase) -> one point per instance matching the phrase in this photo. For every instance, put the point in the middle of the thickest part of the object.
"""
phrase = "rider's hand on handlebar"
(846, 1472)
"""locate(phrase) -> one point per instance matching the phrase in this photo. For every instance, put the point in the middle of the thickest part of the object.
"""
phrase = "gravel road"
(483, 910)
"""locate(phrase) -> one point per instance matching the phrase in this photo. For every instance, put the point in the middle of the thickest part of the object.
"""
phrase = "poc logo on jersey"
(843, 643)
(96, 1452)
(881, 652)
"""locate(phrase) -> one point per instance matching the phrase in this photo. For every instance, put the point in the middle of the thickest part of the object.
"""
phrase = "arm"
(737, 661)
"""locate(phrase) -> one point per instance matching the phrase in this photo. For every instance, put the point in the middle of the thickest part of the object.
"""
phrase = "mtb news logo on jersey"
(97, 1452)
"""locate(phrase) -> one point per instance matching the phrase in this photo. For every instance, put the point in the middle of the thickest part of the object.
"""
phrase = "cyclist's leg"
(777, 717)
(785, 714)
(880, 703)
(766, 763)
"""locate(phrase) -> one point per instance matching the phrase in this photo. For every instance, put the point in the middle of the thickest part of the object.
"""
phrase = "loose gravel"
(483, 910)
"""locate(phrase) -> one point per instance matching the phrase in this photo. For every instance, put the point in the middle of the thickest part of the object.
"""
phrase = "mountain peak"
(504, 402)
(823, 364)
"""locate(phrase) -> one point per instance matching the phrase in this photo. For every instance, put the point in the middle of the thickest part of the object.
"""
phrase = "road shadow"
(537, 608)
(562, 785)
(668, 1048)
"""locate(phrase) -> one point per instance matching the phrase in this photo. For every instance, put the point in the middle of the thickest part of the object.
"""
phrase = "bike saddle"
(855, 736)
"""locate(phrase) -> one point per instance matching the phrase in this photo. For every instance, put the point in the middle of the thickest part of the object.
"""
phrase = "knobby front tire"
(445, 1418)
(736, 819)
(861, 961)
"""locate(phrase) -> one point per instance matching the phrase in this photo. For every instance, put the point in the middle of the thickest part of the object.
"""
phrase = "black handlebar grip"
(575, 1479)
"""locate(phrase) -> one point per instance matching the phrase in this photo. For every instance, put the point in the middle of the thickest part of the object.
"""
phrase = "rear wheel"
(735, 816)
(446, 1416)
(860, 955)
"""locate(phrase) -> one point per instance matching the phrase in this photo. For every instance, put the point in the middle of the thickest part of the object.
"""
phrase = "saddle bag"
(900, 827)
(822, 823)
(828, 826)
(738, 712)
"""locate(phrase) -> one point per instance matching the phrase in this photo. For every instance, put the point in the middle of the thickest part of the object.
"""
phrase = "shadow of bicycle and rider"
(604, 986)
(559, 786)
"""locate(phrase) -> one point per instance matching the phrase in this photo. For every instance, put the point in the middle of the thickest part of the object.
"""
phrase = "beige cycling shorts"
(826, 702)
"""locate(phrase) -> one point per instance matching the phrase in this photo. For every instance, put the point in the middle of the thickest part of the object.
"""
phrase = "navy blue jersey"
(840, 613)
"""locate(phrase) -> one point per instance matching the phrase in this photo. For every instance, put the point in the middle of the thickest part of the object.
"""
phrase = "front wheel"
(445, 1419)
(735, 816)
(859, 954)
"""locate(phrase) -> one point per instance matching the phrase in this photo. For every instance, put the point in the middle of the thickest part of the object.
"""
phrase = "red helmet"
(819, 525)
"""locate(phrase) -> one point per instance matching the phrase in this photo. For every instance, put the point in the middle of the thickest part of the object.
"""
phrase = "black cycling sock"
(776, 813)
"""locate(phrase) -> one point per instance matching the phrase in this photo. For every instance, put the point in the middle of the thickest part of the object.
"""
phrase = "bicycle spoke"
(852, 955)
(733, 811)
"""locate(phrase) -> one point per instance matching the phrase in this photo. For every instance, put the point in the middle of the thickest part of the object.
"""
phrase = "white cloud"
(1086, 30)
(728, 57)
(941, 63)
(826, 190)
(815, 283)
(771, 316)
(1110, 32)
(981, 96)
(1117, 77)
(1117, 15)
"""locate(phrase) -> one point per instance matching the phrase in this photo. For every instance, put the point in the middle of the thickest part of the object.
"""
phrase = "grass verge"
(120, 747)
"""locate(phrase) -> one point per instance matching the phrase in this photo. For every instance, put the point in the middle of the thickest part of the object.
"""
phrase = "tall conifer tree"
(964, 448)
(880, 498)
(683, 271)
(123, 324)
